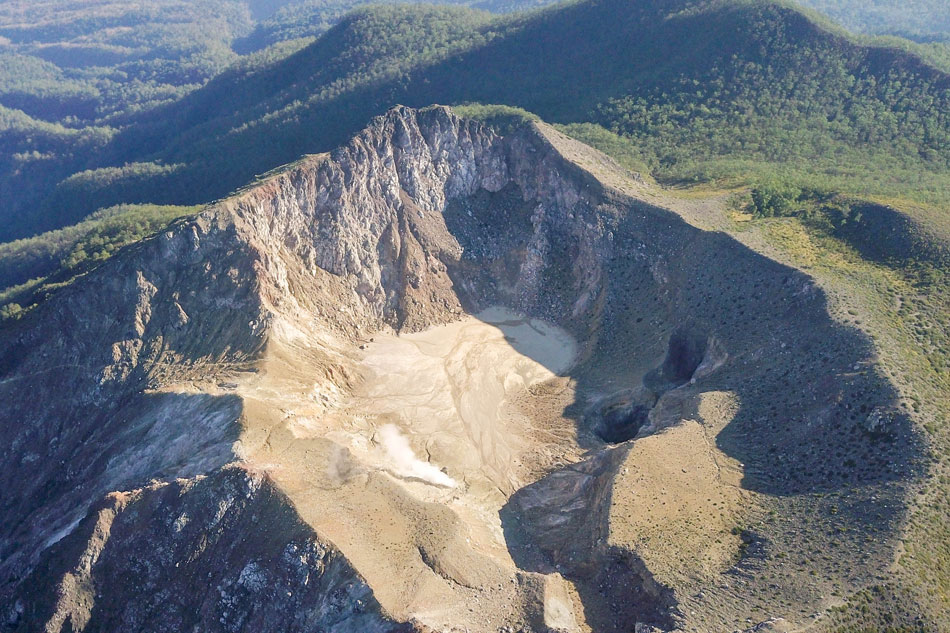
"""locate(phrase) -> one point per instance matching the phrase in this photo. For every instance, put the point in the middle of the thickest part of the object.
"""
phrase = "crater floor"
(407, 469)
(450, 389)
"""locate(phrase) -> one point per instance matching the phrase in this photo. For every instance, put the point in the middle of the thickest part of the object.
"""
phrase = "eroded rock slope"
(441, 379)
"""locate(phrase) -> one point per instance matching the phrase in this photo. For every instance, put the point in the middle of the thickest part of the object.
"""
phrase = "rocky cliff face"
(191, 441)
(383, 215)
(186, 562)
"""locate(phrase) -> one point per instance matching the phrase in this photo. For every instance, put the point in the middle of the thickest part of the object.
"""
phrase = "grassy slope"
(906, 316)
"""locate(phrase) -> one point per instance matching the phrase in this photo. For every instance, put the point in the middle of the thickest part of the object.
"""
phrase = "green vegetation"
(690, 92)
(311, 18)
(62, 60)
(774, 199)
(886, 274)
(72, 76)
(917, 19)
(33, 267)
(500, 117)
(704, 90)
(917, 252)
(617, 147)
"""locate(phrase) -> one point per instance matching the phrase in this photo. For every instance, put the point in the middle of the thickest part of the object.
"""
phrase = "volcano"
(443, 379)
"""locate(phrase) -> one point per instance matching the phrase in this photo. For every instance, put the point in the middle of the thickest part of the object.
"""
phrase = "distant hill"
(310, 18)
(95, 61)
(73, 74)
(98, 61)
(924, 20)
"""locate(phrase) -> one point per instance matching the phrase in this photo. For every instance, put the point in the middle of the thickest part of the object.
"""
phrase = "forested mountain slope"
(105, 59)
(309, 18)
(704, 90)
(73, 74)
(101, 60)
(923, 20)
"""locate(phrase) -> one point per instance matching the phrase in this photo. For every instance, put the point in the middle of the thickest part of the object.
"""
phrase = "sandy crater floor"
(407, 470)
(450, 389)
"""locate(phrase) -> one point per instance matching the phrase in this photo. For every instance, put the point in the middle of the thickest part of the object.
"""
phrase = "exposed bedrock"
(243, 335)
(224, 552)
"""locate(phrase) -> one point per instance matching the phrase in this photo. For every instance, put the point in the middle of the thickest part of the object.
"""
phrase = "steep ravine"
(441, 379)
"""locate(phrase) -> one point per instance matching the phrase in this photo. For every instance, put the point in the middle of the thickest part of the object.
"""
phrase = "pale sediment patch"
(406, 468)
(448, 388)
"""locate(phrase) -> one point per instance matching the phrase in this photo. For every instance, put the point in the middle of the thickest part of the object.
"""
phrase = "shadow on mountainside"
(680, 311)
(174, 556)
(74, 455)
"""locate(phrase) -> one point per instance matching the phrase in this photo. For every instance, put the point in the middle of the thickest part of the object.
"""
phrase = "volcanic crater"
(443, 379)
